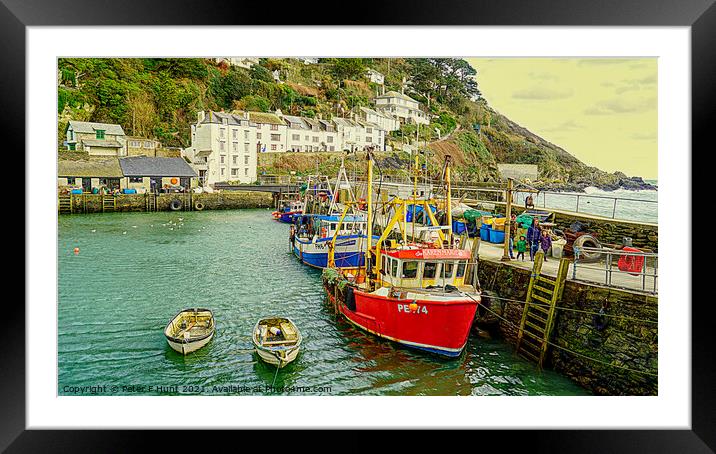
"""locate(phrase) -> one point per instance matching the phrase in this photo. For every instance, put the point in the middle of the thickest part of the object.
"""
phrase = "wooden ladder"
(151, 201)
(65, 204)
(109, 203)
(543, 293)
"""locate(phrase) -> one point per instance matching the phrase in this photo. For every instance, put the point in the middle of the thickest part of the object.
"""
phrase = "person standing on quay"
(545, 243)
(513, 232)
(534, 236)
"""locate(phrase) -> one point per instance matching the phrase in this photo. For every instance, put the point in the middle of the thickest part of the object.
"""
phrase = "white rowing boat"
(277, 340)
(190, 330)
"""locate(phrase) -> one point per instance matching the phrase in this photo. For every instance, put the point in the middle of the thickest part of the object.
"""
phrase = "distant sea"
(630, 205)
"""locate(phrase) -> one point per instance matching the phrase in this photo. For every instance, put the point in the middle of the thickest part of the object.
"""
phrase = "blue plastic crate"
(485, 232)
(496, 236)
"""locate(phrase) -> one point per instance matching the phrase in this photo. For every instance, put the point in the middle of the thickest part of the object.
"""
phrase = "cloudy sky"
(603, 111)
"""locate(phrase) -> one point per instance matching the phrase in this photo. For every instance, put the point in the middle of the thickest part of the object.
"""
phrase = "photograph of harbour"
(283, 226)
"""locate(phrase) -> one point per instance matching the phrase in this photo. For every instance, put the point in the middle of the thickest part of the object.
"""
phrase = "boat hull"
(348, 252)
(280, 359)
(188, 347)
(440, 327)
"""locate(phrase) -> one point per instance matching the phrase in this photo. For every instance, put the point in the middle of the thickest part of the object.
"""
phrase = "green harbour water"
(135, 271)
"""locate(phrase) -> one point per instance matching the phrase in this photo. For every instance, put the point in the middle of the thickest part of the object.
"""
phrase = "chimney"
(200, 116)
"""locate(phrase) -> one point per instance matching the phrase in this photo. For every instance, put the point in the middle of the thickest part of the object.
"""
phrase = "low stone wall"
(92, 203)
(628, 342)
(612, 231)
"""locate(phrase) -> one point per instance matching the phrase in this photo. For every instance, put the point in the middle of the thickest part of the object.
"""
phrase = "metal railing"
(598, 265)
(520, 197)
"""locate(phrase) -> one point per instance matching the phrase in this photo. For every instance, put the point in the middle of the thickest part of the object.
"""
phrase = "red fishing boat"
(409, 292)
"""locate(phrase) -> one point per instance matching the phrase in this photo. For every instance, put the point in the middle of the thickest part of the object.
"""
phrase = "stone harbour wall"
(92, 203)
(594, 354)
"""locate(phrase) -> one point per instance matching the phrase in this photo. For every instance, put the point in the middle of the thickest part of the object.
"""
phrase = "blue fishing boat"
(312, 236)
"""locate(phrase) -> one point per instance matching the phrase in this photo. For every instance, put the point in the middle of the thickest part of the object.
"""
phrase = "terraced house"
(402, 107)
(97, 139)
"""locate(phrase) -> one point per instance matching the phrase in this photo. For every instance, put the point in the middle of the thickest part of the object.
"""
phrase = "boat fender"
(198, 206)
(175, 205)
(350, 299)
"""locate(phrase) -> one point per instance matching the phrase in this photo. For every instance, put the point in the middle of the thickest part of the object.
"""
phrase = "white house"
(241, 62)
(371, 136)
(97, 139)
(316, 134)
(384, 121)
(223, 147)
(271, 131)
(298, 137)
(330, 136)
(402, 107)
(375, 76)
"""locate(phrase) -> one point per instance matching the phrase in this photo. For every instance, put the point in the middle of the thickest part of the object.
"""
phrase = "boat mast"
(449, 200)
(415, 191)
(369, 219)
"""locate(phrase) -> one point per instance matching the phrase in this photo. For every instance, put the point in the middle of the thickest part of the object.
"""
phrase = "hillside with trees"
(159, 98)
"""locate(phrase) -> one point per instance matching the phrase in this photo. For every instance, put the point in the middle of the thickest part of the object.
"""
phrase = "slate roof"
(87, 127)
(143, 166)
(104, 168)
(295, 122)
(395, 94)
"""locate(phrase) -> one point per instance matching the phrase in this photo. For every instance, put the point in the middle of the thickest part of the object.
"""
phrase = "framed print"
(442, 218)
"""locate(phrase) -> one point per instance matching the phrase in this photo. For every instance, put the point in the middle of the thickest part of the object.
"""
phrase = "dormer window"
(99, 134)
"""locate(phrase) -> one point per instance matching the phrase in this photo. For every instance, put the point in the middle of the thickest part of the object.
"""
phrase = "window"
(246, 135)
(273, 147)
(235, 134)
(308, 138)
(222, 171)
(234, 172)
(295, 137)
(235, 160)
(330, 139)
(221, 146)
(246, 147)
(315, 139)
(369, 139)
(369, 130)
(222, 132)
(258, 136)
(447, 270)
(410, 270)
(274, 127)
(275, 137)
(99, 133)
(222, 158)
(136, 179)
(70, 134)
(147, 144)
(246, 160)
(246, 172)
(461, 269)
(430, 269)
(333, 148)
(393, 267)
(236, 146)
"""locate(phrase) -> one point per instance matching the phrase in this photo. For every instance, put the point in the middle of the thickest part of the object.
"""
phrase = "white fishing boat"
(277, 340)
(190, 330)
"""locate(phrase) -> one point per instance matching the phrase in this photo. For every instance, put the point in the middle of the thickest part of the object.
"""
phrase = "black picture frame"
(700, 15)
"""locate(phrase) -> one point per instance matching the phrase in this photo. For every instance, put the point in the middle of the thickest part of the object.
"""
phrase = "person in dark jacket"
(534, 236)
(545, 243)
(513, 233)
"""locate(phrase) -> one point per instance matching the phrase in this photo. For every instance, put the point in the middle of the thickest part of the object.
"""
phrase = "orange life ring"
(324, 232)
(174, 181)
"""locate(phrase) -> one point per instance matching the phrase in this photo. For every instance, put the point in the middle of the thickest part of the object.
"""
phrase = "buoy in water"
(77, 250)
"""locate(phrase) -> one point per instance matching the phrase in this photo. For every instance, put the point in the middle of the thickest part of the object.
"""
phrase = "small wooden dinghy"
(277, 340)
(190, 330)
